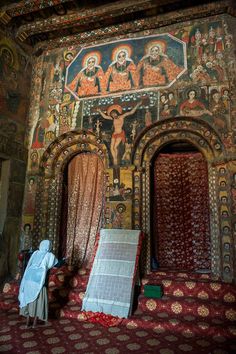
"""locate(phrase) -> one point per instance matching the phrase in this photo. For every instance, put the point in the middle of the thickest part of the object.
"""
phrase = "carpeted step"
(9, 302)
(177, 325)
(59, 294)
(60, 290)
(56, 296)
(141, 320)
(11, 287)
(79, 281)
(178, 275)
(211, 290)
(73, 336)
(72, 310)
(64, 269)
(77, 296)
(188, 306)
(58, 277)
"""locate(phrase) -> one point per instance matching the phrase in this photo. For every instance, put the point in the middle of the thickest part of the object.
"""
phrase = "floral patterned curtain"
(85, 198)
(181, 211)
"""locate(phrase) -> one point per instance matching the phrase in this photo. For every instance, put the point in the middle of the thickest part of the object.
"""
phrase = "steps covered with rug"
(192, 304)
(59, 286)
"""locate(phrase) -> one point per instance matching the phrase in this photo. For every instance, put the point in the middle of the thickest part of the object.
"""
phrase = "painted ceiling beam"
(28, 6)
(83, 17)
(94, 36)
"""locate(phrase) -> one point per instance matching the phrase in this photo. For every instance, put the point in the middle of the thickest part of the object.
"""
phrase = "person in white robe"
(33, 295)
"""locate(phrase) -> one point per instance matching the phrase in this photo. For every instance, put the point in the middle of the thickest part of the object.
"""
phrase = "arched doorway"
(54, 162)
(82, 201)
(180, 214)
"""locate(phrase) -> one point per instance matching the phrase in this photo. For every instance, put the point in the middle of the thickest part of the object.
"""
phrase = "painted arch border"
(200, 134)
(67, 145)
(117, 94)
(49, 190)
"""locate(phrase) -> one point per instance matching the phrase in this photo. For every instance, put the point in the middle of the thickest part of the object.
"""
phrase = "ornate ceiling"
(49, 23)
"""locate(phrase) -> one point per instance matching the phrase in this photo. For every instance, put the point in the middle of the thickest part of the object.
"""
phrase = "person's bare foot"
(35, 322)
(28, 322)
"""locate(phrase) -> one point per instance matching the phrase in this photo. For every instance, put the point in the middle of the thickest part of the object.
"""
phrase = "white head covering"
(44, 247)
(35, 273)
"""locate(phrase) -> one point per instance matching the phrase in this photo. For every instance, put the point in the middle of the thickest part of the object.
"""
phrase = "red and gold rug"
(196, 315)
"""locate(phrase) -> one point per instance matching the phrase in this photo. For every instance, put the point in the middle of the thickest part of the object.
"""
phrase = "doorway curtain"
(181, 228)
(85, 200)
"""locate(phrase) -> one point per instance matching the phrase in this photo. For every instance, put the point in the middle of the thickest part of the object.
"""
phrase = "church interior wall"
(15, 73)
(76, 88)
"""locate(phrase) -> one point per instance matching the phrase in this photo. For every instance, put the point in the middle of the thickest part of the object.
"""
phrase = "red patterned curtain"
(85, 198)
(63, 221)
(181, 232)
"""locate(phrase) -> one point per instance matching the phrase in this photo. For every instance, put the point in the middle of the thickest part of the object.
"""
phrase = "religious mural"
(15, 75)
(125, 116)
(138, 64)
(117, 90)
(14, 68)
(119, 193)
(181, 73)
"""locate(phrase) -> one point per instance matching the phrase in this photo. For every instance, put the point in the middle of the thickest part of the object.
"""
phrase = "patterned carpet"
(180, 322)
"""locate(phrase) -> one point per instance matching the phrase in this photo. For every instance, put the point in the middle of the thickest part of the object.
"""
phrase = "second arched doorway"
(180, 213)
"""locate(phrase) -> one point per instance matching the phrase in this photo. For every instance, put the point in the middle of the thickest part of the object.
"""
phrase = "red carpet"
(195, 315)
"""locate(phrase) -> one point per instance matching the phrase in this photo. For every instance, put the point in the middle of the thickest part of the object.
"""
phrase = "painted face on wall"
(163, 99)
(222, 170)
(114, 114)
(34, 157)
(171, 96)
(216, 96)
(211, 32)
(198, 34)
(6, 56)
(192, 94)
(155, 52)
(69, 56)
(91, 63)
(121, 57)
(31, 181)
(27, 228)
(226, 93)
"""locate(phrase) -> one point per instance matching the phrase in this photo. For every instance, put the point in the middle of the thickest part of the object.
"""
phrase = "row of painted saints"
(155, 68)
(140, 116)
(158, 65)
